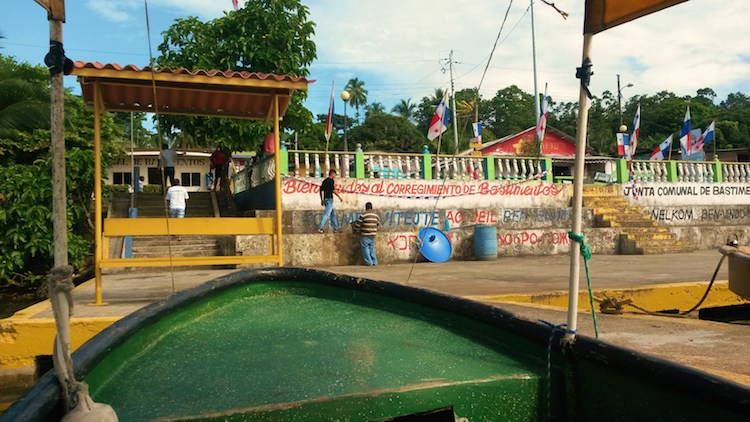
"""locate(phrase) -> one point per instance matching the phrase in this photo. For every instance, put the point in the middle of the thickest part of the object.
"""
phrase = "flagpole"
(670, 150)
(575, 253)
(325, 157)
(453, 95)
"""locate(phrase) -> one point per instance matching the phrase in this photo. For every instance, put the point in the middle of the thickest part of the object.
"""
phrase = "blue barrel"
(485, 243)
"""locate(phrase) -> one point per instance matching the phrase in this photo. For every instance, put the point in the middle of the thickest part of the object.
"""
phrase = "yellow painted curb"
(654, 298)
(22, 339)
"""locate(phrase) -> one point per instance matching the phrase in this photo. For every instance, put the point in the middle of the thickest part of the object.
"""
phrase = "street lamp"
(345, 97)
(623, 128)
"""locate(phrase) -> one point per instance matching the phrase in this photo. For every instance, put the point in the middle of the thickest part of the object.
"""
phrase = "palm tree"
(405, 109)
(357, 94)
(374, 109)
(24, 104)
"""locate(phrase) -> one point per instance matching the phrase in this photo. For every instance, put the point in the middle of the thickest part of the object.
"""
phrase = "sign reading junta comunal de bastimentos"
(670, 194)
(417, 194)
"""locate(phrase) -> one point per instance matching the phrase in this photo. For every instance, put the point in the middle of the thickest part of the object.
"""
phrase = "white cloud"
(395, 45)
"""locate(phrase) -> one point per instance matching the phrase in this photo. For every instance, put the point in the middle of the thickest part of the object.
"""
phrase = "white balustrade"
(296, 164)
(417, 168)
(307, 165)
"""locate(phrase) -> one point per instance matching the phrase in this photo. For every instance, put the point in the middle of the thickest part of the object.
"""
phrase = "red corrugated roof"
(244, 95)
(197, 72)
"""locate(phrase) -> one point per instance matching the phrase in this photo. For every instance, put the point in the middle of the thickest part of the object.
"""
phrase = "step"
(667, 250)
(619, 211)
(639, 237)
(629, 224)
(646, 230)
(176, 247)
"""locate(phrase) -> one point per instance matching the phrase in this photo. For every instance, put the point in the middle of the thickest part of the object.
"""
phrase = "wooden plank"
(186, 261)
(187, 226)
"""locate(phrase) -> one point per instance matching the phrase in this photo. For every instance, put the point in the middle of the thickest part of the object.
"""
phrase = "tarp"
(605, 14)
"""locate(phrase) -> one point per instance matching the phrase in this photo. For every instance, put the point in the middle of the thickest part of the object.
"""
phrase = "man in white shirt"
(177, 197)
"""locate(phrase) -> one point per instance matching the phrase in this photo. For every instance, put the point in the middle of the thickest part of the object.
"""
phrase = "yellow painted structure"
(200, 93)
(654, 298)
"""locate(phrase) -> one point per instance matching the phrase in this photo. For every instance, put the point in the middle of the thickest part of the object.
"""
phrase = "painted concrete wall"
(683, 193)
(343, 249)
(395, 220)
(715, 215)
(300, 194)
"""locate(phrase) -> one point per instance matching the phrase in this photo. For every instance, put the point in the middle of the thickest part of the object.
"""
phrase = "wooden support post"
(277, 141)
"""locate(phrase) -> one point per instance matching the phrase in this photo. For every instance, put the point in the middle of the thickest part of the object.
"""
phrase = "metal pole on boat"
(533, 55)
(57, 129)
(575, 263)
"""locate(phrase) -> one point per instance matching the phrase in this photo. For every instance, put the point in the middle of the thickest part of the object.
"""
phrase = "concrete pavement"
(714, 347)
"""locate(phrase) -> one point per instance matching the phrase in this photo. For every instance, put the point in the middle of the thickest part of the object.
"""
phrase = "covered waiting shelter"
(211, 93)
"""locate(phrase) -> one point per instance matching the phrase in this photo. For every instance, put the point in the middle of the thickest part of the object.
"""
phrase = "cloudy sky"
(399, 47)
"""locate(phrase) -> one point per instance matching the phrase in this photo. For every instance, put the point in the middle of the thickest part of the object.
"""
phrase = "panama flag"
(685, 132)
(706, 137)
(439, 121)
(329, 119)
(636, 130)
(662, 150)
(236, 4)
(541, 124)
(621, 144)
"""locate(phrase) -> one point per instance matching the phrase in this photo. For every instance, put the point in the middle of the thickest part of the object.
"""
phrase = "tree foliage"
(26, 239)
(386, 132)
(267, 36)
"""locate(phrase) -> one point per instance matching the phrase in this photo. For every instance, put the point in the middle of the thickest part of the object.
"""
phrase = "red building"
(556, 143)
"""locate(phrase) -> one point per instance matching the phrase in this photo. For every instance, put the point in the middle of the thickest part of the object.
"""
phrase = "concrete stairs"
(200, 204)
(159, 246)
(639, 234)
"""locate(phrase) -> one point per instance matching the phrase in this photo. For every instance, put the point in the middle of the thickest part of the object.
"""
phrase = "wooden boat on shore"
(283, 344)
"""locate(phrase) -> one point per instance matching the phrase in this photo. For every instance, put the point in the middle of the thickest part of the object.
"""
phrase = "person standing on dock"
(327, 190)
(367, 225)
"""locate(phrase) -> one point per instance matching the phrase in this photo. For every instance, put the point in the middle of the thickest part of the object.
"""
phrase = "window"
(154, 176)
(190, 179)
(120, 178)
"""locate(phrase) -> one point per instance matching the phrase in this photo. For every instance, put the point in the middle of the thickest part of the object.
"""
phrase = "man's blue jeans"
(368, 249)
(329, 212)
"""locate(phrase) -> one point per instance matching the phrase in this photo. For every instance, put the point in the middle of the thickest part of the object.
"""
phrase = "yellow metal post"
(277, 159)
(98, 193)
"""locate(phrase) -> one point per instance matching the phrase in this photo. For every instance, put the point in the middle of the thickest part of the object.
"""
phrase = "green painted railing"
(425, 166)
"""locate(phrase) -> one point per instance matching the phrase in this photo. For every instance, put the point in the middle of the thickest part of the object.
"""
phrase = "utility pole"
(453, 94)
(533, 55)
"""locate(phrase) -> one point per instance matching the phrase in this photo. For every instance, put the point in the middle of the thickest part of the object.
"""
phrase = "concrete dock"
(719, 348)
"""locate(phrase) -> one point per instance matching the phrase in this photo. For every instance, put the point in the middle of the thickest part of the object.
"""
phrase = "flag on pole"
(636, 131)
(662, 150)
(685, 132)
(329, 119)
(706, 137)
(626, 145)
(439, 123)
(621, 144)
(541, 124)
(477, 132)
(236, 4)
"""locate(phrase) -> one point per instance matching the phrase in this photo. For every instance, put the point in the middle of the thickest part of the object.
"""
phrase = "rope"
(158, 136)
(59, 287)
(586, 253)
(555, 328)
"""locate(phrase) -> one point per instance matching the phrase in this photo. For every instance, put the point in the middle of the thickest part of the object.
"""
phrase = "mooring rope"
(555, 328)
(586, 253)
(158, 136)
